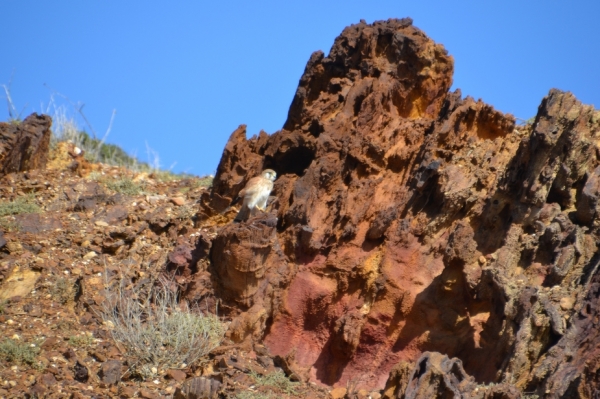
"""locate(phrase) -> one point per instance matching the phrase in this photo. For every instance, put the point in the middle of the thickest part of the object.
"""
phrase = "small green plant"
(277, 380)
(3, 304)
(125, 186)
(20, 205)
(63, 290)
(14, 351)
(82, 340)
(205, 181)
(9, 224)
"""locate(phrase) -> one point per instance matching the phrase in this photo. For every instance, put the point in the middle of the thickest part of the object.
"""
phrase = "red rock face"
(410, 219)
(25, 145)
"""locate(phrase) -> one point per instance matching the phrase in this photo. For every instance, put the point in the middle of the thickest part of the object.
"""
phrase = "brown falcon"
(255, 194)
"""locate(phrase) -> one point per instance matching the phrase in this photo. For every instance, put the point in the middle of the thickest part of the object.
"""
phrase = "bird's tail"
(242, 215)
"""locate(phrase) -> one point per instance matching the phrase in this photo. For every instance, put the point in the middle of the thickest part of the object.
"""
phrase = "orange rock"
(177, 375)
(337, 393)
(179, 201)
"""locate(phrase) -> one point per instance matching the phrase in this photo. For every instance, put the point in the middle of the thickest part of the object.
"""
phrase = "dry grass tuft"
(277, 380)
(156, 332)
(205, 181)
(125, 186)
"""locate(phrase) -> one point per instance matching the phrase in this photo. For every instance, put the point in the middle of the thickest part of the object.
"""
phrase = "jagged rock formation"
(412, 220)
(24, 145)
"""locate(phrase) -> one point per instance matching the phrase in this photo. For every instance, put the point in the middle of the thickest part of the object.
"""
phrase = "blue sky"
(182, 75)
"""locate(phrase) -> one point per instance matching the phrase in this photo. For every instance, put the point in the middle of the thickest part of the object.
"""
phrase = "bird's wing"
(252, 187)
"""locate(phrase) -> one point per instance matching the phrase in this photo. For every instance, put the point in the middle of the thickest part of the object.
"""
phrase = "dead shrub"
(155, 331)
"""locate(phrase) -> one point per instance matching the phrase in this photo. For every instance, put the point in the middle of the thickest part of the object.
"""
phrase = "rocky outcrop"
(240, 258)
(24, 145)
(435, 375)
(413, 220)
(198, 388)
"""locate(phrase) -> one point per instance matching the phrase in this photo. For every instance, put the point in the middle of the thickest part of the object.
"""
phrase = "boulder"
(24, 145)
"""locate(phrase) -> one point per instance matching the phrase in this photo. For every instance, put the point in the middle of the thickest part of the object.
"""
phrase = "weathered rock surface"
(25, 145)
(437, 375)
(198, 388)
(413, 220)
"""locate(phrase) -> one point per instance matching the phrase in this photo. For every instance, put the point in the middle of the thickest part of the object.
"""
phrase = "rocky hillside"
(418, 244)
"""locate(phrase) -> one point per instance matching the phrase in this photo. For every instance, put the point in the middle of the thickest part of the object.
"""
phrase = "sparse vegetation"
(125, 186)
(156, 332)
(66, 128)
(95, 175)
(63, 290)
(166, 176)
(3, 304)
(14, 351)
(9, 224)
(81, 340)
(253, 395)
(277, 380)
(24, 204)
(192, 184)
(205, 181)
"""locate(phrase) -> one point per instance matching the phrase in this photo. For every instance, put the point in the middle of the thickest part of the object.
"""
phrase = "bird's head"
(269, 174)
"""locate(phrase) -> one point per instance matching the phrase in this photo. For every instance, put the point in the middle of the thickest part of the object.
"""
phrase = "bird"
(255, 195)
